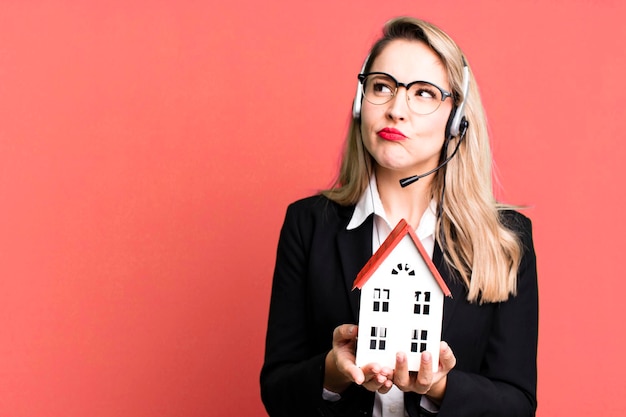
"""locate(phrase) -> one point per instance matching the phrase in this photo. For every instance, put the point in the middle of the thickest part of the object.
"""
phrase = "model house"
(401, 302)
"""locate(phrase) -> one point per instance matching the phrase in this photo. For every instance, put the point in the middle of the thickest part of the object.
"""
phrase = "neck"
(403, 203)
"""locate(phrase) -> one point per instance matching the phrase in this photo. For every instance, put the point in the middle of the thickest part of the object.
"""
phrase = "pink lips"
(389, 133)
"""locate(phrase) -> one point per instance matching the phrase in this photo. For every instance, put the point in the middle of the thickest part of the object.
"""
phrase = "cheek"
(368, 127)
(369, 113)
(439, 123)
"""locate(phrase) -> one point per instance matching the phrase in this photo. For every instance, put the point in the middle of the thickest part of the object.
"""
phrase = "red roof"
(385, 249)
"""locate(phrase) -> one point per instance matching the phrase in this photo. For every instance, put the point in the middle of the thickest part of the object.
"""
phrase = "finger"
(401, 374)
(373, 378)
(375, 381)
(349, 331)
(345, 364)
(344, 333)
(382, 388)
(356, 374)
(344, 338)
(387, 372)
(344, 361)
(372, 386)
(425, 374)
(371, 370)
(385, 387)
(447, 360)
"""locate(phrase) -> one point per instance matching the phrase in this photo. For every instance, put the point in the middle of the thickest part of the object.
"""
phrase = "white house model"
(401, 303)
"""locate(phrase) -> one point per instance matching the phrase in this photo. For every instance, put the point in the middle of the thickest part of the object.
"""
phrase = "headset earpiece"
(358, 98)
(356, 106)
(457, 120)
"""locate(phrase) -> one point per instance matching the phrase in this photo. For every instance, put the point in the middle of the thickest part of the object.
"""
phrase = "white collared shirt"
(392, 403)
(370, 203)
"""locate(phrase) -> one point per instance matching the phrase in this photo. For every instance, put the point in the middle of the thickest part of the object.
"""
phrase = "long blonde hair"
(483, 252)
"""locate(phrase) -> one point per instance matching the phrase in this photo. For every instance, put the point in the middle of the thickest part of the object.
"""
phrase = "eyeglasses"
(422, 97)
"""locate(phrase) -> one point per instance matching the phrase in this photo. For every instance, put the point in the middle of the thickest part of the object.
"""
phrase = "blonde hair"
(476, 244)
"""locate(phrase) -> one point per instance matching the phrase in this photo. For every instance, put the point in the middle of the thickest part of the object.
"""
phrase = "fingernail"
(426, 357)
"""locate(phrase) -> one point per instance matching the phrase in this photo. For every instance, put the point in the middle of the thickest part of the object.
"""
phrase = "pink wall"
(148, 150)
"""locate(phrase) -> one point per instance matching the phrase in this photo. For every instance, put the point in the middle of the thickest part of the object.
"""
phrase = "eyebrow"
(443, 82)
(442, 85)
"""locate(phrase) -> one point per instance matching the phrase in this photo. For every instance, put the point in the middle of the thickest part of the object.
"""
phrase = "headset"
(455, 127)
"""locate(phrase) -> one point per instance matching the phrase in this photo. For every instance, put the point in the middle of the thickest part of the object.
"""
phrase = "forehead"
(409, 61)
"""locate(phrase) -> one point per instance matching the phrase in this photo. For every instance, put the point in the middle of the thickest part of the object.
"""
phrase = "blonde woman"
(417, 121)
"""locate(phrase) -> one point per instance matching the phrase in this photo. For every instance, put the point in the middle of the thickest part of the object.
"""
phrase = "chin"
(396, 169)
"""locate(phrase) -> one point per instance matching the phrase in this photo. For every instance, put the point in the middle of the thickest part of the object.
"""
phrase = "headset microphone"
(456, 127)
(410, 180)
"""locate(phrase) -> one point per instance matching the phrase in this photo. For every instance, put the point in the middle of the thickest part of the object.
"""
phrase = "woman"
(483, 250)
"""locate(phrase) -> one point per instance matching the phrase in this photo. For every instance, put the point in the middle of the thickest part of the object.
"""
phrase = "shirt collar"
(370, 203)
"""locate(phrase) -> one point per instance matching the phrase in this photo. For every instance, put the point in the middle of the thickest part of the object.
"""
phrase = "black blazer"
(495, 344)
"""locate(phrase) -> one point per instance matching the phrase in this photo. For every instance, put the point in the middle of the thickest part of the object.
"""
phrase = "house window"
(379, 336)
(406, 267)
(418, 342)
(422, 303)
(381, 299)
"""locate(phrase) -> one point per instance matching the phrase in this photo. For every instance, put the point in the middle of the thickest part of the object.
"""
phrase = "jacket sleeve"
(506, 382)
(293, 371)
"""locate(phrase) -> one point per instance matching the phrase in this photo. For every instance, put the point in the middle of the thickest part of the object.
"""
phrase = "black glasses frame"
(444, 94)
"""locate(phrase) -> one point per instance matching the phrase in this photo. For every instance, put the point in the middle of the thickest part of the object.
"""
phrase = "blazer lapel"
(355, 249)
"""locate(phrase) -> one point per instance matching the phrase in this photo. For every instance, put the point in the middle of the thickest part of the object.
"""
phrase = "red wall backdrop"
(148, 150)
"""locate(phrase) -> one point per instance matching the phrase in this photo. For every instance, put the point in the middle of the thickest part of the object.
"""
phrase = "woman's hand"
(425, 381)
(341, 369)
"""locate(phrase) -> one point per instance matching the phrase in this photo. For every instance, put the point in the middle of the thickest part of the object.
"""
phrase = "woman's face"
(402, 142)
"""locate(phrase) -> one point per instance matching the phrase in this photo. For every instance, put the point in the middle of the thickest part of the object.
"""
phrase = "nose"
(398, 106)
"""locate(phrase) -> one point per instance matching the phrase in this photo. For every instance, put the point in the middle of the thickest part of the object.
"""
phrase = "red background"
(148, 150)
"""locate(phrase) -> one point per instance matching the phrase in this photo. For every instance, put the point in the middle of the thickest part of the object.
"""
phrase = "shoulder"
(311, 203)
(319, 209)
(311, 217)
(521, 226)
(517, 222)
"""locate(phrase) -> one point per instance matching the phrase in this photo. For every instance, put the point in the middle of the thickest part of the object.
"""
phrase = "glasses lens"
(424, 98)
(379, 88)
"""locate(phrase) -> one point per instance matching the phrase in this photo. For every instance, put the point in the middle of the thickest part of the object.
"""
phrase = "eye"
(426, 93)
(381, 87)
